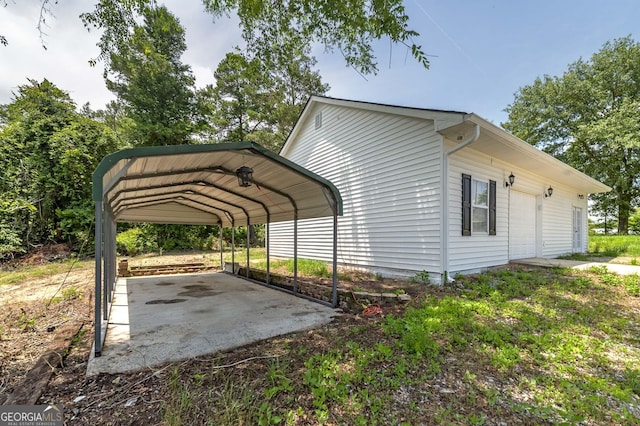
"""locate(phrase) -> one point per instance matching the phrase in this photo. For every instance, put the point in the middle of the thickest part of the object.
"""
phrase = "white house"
(429, 190)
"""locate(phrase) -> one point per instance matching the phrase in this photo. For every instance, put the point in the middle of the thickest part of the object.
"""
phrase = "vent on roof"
(318, 120)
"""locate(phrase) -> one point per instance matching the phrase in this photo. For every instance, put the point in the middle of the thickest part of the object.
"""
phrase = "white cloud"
(65, 60)
(70, 46)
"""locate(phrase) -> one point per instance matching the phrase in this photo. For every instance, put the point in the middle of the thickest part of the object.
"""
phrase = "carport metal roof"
(197, 184)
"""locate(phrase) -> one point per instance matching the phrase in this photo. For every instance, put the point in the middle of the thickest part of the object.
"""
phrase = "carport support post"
(248, 240)
(112, 264)
(98, 296)
(105, 272)
(233, 249)
(295, 252)
(266, 237)
(110, 253)
(334, 295)
(221, 248)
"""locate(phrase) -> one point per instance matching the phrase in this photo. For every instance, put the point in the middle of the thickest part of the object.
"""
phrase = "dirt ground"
(36, 310)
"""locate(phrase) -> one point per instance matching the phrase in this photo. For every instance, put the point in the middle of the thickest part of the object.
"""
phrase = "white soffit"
(501, 145)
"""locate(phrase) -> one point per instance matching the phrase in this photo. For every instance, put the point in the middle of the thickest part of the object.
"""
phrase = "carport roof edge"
(110, 161)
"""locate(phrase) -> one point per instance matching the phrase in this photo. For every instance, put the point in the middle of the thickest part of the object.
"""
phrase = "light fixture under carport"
(195, 184)
(245, 176)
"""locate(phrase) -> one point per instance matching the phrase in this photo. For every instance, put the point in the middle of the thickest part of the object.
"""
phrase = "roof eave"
(574, 178)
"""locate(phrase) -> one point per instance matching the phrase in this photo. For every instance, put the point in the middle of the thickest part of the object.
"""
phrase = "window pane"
(480, 193)
(480, 217)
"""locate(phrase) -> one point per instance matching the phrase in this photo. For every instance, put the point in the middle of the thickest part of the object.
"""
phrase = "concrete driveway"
(617, 268)
(174, 317)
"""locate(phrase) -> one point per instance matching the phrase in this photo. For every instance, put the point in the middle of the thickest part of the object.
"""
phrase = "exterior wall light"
(245, 176)
(548, 193)
(512, 179)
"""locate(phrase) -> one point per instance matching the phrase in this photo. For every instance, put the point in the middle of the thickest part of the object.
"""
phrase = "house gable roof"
(423, 113)
(456, 126)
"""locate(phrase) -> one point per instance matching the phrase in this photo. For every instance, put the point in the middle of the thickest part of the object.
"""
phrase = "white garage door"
(522, 225)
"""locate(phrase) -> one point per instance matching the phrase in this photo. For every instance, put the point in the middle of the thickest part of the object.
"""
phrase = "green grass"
(32, 272)
(544, 347)
(615, 245)
(309, 267)
(554, 332)
(258, 257)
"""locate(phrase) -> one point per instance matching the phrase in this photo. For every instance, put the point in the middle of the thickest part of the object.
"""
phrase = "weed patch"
(615, 245)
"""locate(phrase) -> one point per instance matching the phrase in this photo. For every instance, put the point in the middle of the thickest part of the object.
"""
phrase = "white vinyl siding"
(387, 163)
(387, 168)
(557, 222)
(553, 215)
(479, 250)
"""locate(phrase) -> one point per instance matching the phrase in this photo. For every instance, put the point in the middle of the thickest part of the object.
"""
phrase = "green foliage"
(148, 238)
(634, 222)
(421, 277)
(135, 241)
(260, 102)
(589, 118)
(350, 26)
(308, 267)
(615, 245)
(27, 322)
(68, 293)
(157, 90)
(274, 28)
(241, 102)
(47, 158)
(11, 228)
(312, 267)
(540, 323)
(632, 284)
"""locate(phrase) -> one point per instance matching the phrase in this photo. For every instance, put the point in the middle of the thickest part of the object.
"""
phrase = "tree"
(259, 103)
(351, 26)
(155, 87)
(115, 118)
(48, 153)
(590, 118)
(240, 97)
(295, 81)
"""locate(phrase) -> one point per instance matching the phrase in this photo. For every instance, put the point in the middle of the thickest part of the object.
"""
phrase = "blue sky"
(483, 50)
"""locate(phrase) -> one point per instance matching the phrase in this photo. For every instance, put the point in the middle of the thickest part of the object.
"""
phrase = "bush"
(135, 241)
(149, 237)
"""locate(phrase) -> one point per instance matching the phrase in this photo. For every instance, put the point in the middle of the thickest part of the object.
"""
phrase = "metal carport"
(199, 185)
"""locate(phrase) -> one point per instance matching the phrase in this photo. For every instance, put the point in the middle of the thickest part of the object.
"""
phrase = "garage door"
(522, 225)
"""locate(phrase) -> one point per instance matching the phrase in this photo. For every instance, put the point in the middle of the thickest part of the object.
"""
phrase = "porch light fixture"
(245, 176)
(512, 179)
(548, 193)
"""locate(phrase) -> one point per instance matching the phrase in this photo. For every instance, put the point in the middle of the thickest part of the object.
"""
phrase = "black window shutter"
(466, 204)
(492, 207)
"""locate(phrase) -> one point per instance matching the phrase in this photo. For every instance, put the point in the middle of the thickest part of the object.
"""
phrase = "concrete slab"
(173, 317)
(617, 268)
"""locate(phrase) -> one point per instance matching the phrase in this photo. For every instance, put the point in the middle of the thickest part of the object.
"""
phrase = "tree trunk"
(624, 210)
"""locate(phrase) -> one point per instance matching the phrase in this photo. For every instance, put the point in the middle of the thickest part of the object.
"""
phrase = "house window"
(318, 120)
(478, 206)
